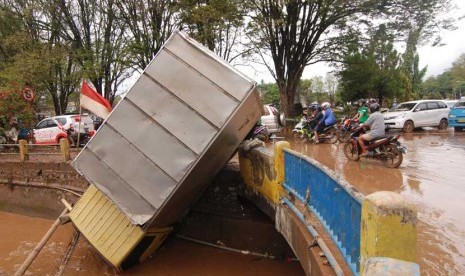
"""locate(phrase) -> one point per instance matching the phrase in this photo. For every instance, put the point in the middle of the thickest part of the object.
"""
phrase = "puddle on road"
(432, 176)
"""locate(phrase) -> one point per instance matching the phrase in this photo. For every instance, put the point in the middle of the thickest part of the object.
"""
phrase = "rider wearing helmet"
(327, 120)
(315, 118)
(377, 128)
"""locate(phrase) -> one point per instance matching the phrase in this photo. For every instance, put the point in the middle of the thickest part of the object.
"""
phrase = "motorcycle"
(260, 132)
(346, 127)
(304, 133)
(8, 137)
(84, 137)
(386, 148)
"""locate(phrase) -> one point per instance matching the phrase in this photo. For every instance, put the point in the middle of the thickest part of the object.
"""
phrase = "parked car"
(272, 119)
(414, 114)
(450, 103)
(49, 131)
(72, 121)
(457, 115)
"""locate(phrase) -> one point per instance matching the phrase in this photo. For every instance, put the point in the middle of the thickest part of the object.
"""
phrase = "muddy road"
(432, 176)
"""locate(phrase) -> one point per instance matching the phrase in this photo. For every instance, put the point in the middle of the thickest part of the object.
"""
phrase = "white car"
(272, 119)
(414, 114)
(48, 132)
(72, 121)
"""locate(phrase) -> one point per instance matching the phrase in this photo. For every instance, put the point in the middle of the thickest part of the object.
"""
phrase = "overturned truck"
(160, 148)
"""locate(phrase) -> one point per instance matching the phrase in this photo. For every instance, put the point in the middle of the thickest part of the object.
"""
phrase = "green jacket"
(363, 114)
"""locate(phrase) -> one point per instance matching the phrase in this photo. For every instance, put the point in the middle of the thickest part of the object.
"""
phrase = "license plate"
(461, 120)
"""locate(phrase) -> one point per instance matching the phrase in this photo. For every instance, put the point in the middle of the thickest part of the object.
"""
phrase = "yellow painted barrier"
(263, 170)
(388, 228)
(23, 153)
(64, 146)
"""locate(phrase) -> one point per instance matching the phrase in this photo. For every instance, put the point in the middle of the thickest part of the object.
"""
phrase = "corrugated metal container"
(171, 134)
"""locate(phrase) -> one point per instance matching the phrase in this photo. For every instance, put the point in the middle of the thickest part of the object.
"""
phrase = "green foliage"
(269, 93)
(372, 72)
(13, 105)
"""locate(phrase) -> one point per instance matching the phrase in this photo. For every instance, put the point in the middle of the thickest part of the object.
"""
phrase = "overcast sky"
(438, 59)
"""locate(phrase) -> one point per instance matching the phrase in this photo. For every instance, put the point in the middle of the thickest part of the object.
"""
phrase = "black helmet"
(374, 107)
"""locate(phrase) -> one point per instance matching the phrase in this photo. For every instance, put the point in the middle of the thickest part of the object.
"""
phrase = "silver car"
(415, 114)
(272, 119)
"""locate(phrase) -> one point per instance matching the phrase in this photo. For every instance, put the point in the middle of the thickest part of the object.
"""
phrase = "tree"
(37, 55)
(374, 72)
(331, 85)
(98, 36)
(291, 32)
(150, 23)
(300, 33)
(13, 106)
(217, 24)
(269, 93)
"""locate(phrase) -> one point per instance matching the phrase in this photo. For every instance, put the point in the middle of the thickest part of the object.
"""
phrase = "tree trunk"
(287, 95)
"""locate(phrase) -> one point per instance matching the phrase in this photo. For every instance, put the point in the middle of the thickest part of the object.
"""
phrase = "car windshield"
(404, 107)
(459, 105)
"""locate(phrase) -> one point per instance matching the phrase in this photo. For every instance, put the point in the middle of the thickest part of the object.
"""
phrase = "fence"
(330, 198)
(24, 153)
(374, 233)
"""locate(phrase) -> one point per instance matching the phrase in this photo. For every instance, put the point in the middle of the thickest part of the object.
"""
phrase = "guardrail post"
(388, 230)
(64, 146)
(23, 150)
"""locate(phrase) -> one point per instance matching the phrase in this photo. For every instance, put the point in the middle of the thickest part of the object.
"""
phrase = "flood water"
(432, 177)
(20, 234)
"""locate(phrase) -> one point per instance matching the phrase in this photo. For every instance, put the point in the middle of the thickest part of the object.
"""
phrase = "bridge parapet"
(363, 228)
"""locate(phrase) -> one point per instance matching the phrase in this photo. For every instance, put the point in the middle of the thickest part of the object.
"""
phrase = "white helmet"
(325, 105)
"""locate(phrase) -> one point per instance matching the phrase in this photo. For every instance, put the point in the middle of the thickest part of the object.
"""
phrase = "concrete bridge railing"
(373, 233)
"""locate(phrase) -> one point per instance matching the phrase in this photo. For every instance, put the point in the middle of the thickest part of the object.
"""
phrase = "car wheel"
(409, 126)
(443, 124)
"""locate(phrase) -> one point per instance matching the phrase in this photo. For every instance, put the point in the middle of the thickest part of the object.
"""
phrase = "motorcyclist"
(314, 118)
(327, 120)
(362, 113)
(376, 123)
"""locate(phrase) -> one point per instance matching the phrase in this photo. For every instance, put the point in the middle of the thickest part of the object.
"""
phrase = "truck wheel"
(408, 126)
(456, 128)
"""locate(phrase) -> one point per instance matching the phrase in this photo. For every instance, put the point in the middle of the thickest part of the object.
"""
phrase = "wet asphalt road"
(432, 177)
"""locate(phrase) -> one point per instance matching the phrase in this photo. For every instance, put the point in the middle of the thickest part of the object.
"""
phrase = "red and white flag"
(94, 102)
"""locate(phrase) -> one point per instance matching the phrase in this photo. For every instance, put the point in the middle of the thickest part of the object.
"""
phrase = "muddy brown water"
(432, 177)
(176, 257)
(221, 216)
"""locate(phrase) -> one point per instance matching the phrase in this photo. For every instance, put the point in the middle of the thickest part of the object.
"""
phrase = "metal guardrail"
(336, 204)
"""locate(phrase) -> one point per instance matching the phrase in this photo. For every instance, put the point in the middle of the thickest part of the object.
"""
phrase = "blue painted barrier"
(336, 204)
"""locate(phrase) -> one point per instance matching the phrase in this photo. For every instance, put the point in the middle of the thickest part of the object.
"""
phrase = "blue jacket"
(329, 118)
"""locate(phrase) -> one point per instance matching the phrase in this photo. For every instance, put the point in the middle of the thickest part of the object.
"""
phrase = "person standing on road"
(362, 113)
(376, 124)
